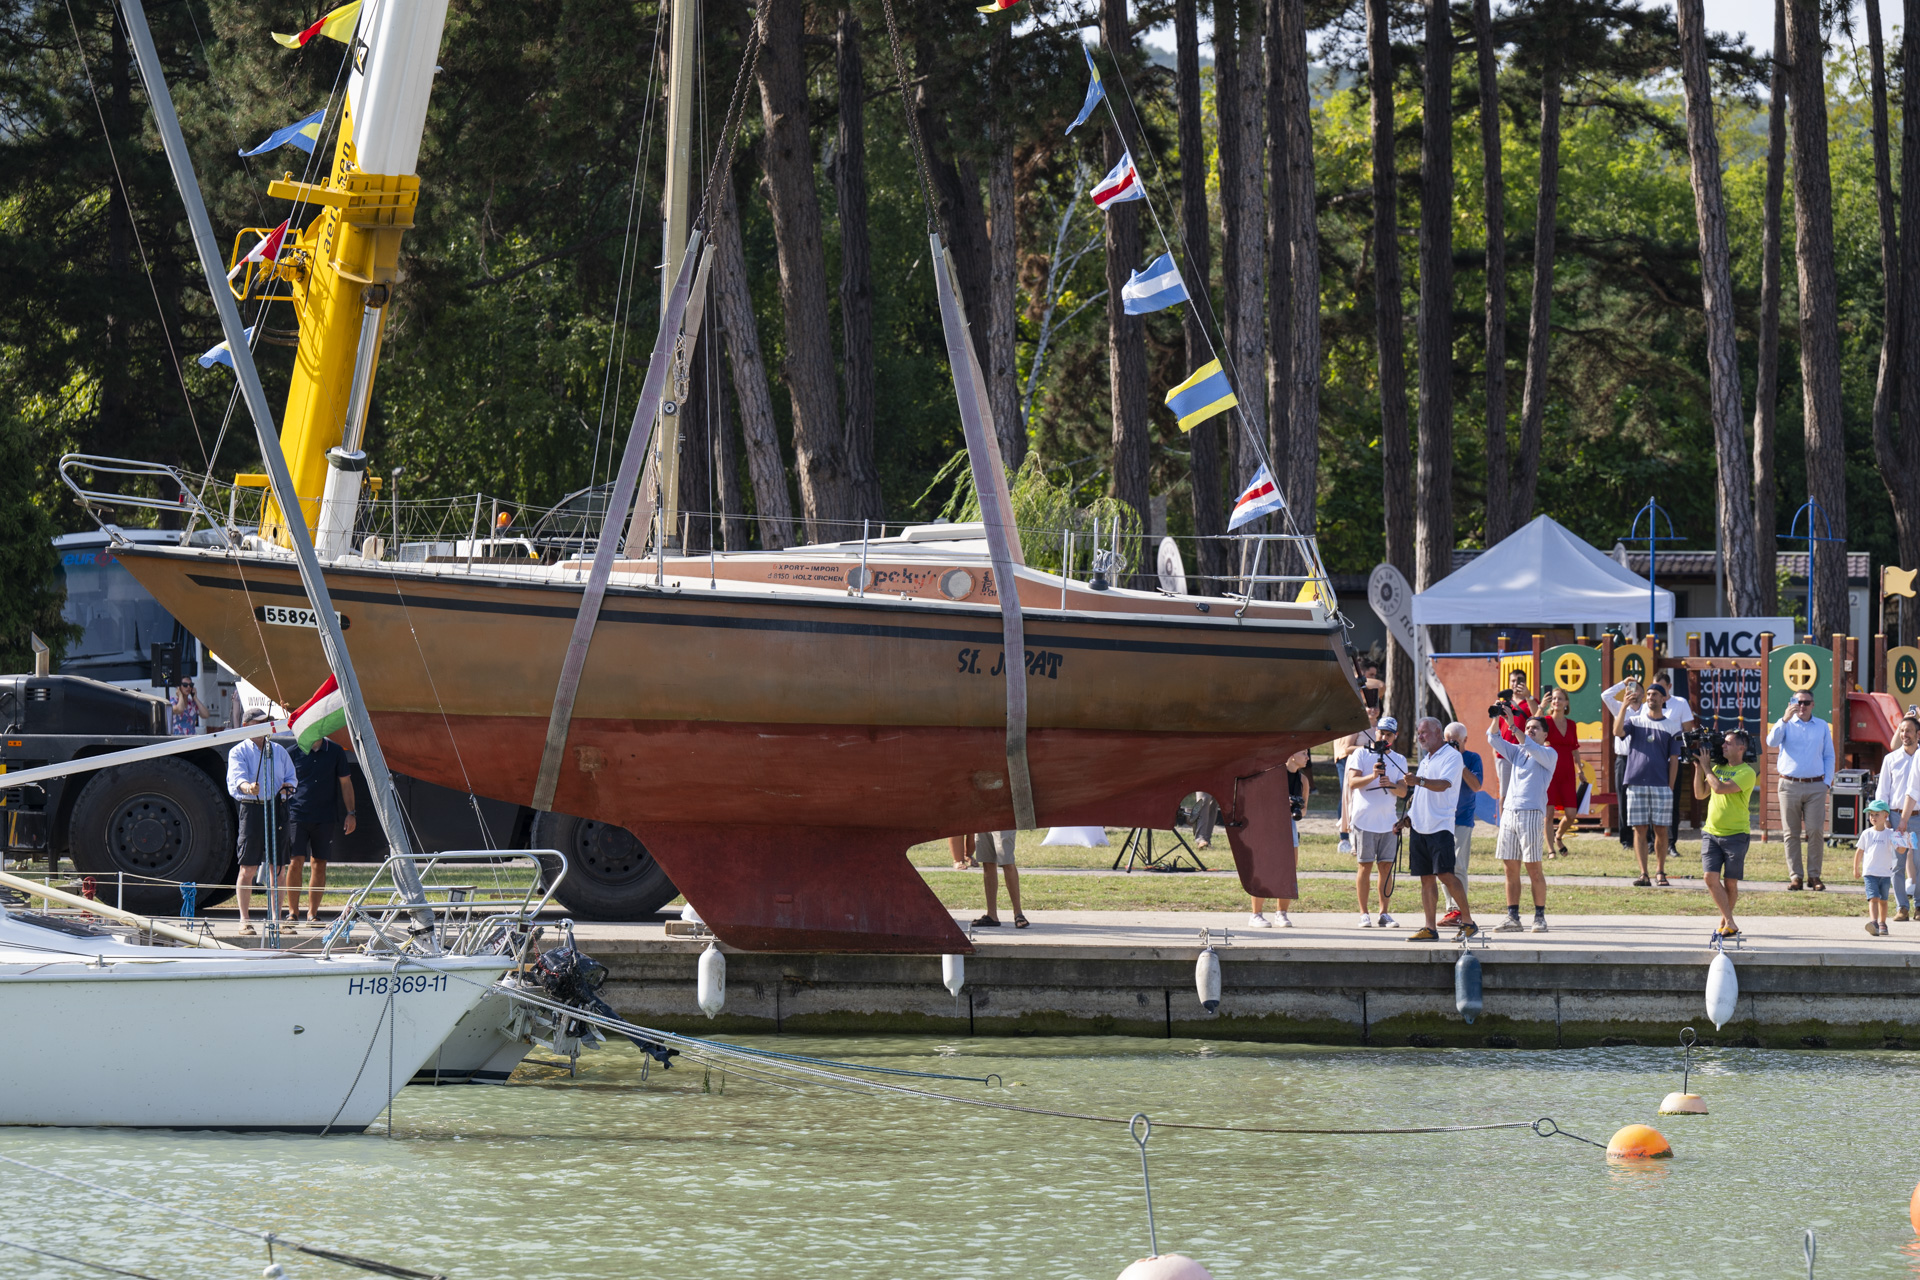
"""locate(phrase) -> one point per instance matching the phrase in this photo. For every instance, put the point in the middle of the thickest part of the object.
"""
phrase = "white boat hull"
(103, 1034)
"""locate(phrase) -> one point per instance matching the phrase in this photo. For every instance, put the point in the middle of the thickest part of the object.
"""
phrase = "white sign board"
(1392, 601)
(1727, 637)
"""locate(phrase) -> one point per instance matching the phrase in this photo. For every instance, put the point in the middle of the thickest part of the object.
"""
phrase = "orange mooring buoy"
(1639, 1142)
(1913, 1210)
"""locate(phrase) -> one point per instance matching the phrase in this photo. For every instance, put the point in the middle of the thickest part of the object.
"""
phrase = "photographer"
(1727, 787)
(1373, 771)
(1653, 763)
(1509, 711)
(1523, 820)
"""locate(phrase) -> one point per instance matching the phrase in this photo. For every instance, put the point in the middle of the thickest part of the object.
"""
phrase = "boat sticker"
(404, 984)
(1040, 662)
(956, 584)
(280, 615)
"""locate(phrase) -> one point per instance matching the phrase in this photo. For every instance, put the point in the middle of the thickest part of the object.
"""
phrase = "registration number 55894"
(281, 615)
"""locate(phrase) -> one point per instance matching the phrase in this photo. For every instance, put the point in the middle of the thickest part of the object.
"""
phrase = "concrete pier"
(1804, 983)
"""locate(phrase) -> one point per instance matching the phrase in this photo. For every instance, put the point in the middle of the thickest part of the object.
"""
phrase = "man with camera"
(1509, 711)
(1725, 781)
(1899, 778)
(1373, 771)
(1436, 791)
(1805, 769)
(1653, 764)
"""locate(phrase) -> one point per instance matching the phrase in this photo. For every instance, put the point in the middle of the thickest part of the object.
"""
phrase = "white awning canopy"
(1541, 573)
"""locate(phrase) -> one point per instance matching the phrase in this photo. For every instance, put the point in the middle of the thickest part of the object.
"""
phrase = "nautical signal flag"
(1095, 92)
(1258, 499)
(223, 353)
(301, 133)
(997, 6)
(337, 25)
(1157, 285)
(1203, 395)
(268, 250)
(1121, 184)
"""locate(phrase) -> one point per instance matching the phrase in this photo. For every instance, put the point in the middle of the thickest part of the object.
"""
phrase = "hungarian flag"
(324, 713)
(1120, 185)
(268, 250)
(337, 25)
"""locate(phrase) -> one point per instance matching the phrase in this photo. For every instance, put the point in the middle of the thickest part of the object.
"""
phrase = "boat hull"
(778, 752)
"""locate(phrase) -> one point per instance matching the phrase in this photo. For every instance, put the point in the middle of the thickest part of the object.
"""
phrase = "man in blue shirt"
(259, 773)
(1805, 769)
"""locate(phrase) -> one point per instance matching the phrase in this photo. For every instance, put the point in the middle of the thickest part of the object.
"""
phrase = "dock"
(1592, 980)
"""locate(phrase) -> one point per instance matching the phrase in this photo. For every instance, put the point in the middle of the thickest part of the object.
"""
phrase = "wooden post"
(1539, 676)
(1499, 644)
(1853, 663)
(1879, 673)
(1606, 733)
(1839, 722)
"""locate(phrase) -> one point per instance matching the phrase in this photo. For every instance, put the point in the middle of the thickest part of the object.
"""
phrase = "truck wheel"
(610, 874)
(160, 819)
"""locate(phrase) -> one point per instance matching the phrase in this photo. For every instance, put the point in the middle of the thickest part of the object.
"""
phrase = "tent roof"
(1541, 573)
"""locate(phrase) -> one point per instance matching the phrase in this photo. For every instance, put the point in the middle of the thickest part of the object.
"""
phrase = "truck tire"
(159, 819)
(610, 874)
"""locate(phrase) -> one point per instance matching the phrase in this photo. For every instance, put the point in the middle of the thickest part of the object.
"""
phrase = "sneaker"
(1467, 930)
(1286, 921)
(1451, 918)
(1424, 934)
(1387, 921)
(1346, 844)
(1258, 921)
(1510, 925)
(1366, 921)
(1883, 928)
(1873, 929)
(1540, 923)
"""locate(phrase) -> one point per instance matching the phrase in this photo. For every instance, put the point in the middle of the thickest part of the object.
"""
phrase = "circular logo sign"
(1800, 673)
(1570, 672)
(1906, 675)
(1633, 667)
(956, 584)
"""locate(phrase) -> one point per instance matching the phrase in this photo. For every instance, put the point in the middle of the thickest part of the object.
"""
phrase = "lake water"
(608, 1176)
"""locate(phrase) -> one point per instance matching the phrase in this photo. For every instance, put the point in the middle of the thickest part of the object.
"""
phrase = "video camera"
(1502, 707)
(1711, 741)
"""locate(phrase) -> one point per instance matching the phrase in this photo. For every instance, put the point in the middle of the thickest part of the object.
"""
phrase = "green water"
(607, 1176)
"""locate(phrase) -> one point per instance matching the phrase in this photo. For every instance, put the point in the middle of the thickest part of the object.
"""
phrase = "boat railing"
(1316, 585)
(465, 923)
(84, 472)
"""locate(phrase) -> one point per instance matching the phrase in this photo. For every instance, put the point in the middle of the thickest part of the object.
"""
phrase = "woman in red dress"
(1563, 792)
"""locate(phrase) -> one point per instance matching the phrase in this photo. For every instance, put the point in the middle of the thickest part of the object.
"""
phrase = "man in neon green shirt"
(1728, 790)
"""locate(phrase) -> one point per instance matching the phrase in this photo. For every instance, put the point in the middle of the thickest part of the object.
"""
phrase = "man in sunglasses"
(1805, 769)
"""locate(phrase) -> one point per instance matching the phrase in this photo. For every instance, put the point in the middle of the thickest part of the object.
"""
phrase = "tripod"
(1137, 848)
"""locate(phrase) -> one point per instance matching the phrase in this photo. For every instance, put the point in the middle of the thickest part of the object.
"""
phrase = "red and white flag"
(1259, 498)
(1120, 185)
(268, 250)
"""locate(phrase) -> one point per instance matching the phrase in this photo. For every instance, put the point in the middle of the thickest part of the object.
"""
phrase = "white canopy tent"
(1541, 574)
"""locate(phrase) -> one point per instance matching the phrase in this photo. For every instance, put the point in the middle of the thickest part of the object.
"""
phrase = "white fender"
(713, 980)
(953, 972)
(1206, 979)
(1167, 1266)
(1723, 990)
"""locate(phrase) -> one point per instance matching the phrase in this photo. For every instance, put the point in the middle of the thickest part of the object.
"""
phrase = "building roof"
(1699, 564)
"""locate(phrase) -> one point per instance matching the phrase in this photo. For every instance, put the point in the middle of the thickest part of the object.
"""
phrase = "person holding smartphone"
(1373, 772)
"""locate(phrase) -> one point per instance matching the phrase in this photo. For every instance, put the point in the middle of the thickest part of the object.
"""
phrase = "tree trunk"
(1237, 76)
(726, 456)
(856, 270)
(826, 492)
(1390, 342)
(1499, 520)
(1899, 453)
(734, 302)
(1433, 536)
(1819, 316)
(1126, 341)
(1209, 509)
(962, 216)
(1293, 172)
(1003, 374)
(1533, 398)
(1766, 388)
(1735, 475)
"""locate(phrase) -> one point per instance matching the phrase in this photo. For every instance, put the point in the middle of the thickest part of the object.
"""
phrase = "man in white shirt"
(1373, 771)
(1895, 783)
(1436, 794)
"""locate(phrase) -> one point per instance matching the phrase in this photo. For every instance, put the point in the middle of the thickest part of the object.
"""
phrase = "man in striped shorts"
(1523, 818)
(1653, 762)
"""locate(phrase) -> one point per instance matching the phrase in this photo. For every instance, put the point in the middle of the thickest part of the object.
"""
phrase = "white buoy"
(1723, 990)
(953, 972)
(1206, 979)
(1167, 1266)
(274, 1271)
(713, 980)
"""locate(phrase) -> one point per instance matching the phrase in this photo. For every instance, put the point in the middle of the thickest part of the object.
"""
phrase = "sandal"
(986, 922)
(1643, 883)
(1020, 921)
(250, 930)
(1662, 881)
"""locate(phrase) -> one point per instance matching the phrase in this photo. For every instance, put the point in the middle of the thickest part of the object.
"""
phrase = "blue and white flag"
(1095, 92)
(301, 133)
(1159, 285)
(1260, 498)
(222, 353)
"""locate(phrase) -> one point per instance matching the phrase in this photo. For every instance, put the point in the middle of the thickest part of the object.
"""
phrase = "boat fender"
(713, 980)
(1166, 1266)
(1683, 1104)
(1913, 1210)
(1206, 980)
(953, 972)
(274, 1271)
(1723, 990)
(1639, 1142)
(1466, 986)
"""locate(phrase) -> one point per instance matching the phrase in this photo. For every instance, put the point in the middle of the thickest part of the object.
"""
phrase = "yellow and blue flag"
(1202, 396)
(301, 133)
(1095, 92)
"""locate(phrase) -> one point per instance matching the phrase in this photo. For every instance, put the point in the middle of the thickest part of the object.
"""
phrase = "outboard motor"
(571, 977)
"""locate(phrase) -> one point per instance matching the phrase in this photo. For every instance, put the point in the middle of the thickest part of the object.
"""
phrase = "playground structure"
(1725, 693)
